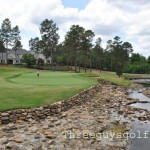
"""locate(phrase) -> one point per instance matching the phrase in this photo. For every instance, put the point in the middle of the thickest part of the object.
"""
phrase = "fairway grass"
(20, 87)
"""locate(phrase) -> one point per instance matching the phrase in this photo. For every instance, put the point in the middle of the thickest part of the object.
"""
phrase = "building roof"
(19, 52)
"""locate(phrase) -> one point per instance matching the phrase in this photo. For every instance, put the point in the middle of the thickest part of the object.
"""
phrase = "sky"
(129, 19)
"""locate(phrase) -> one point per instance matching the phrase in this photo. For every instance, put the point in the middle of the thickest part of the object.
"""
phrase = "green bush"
(28, 59)
(137, 68)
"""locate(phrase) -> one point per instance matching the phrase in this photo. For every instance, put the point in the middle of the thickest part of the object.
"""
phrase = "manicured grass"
(20, 87)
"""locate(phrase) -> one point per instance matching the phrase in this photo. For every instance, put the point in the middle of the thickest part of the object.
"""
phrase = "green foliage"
(86, 45)
(6, 32)
(141, 68)
(40, 62)
(120, 54)
(15, 35)
(78, 44)
(119, 72)
(60, 60)
(34, 44)
(72, 43)
(10, 36)
(50, 37)
(28, 59)
(17, 45)
(136, 58)
(148, 60)
(137, 64)
(98, 53)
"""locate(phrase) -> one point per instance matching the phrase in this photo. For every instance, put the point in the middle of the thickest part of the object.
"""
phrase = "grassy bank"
(112, 77)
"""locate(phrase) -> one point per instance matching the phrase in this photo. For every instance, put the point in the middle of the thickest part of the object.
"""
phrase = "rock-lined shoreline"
(49, 110)
(94, 111)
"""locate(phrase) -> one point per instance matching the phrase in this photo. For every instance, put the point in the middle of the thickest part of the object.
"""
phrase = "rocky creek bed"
(86, 122)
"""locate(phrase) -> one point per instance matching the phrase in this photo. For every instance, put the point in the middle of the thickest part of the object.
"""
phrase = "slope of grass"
(112, 77)
(20, 87)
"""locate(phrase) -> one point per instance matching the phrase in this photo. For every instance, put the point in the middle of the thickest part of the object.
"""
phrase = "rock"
(50, 135)
(38, 147)
(102, 117)
(18, 148)
(4, 114)
(43, 140)
(11, 127)
(2, 134)
(139, 91)
(117, 119)
(26, 129)
(10, 135)
(57, 123)
(37, 136)
(18, 140)
(4, 140)
(52, 142)
(5, 120)
(25, 114)
(10, 145)
(51, 125)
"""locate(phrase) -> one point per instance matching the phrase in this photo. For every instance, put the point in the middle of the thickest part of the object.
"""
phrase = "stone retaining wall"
(45, 111)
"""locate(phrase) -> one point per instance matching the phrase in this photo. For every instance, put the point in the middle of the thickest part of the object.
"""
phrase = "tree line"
(9, 38)
(78, 49)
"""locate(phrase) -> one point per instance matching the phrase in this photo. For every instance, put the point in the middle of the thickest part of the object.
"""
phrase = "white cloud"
(106, 18)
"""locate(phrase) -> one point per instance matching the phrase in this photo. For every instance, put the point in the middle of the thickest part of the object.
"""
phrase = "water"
(145, 106)
(140, 131)
(141, 81)
(136, 95)
(145, 82)
(140, 139)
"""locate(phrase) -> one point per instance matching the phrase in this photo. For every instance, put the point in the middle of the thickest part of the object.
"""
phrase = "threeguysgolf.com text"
(107, 135)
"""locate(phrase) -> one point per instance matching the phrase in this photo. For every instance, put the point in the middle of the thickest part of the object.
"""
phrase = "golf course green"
(21, 88)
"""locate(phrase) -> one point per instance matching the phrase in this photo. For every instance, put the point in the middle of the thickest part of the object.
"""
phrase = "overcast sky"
(129, 19)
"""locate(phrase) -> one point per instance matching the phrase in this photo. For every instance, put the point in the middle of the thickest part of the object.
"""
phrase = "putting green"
(51, 79)
(21, 88)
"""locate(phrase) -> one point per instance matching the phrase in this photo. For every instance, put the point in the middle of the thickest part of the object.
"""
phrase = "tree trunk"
(6, 52)
(71, 63)
(15, 56)
(111, 64)
(85, 68)
(76, 62)
(2, 58)
(53, 67)
(100, 66)
(90, 64)
(85, 65)
(79, 65)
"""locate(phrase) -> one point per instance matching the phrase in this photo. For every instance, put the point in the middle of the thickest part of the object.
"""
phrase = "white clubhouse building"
(15, 57)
